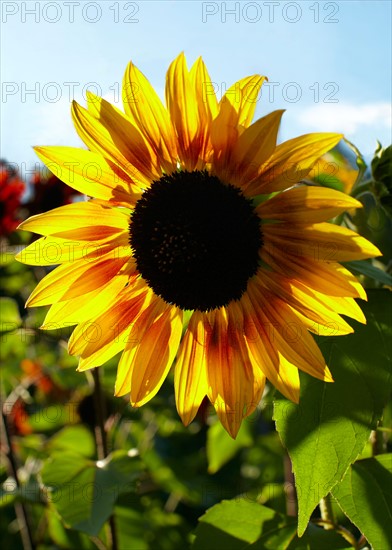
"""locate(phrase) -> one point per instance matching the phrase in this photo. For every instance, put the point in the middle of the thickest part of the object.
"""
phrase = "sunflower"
(198, 246)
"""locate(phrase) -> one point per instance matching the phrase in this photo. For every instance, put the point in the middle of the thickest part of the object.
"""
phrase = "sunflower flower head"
(199, 247)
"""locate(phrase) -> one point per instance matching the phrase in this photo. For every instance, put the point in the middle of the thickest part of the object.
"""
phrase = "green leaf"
(131, 528)
(9, 313)
(221, 447)
(382, 165)
(73, 437)
(66, 538)
(237, 524)
(363, 267)
(84, 492)
(365, 496)
(48, 419)
(328, 429)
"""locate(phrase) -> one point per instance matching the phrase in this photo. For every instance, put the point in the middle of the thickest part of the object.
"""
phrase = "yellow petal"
(262, 352)
(56, 250)
(205, 93)
(241, 98)
(306, 204)
(114, 137)
(230, 374)
(183, 107)
(90, 174)
(71, 280)
(79, 215)
(290, 337)
(291, 162)
(207, 105)
(154, 355)
(89, 306)
(190, 376)
(323, 242)
(236, 110)
(145, 110)
(304, 300)
(110, 330)
(254, 146)
(326, 277)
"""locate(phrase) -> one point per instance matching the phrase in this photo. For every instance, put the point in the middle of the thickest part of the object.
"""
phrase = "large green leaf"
(72, 438)
(221, 447)
(84, 492)
(237, 524)
(328, 429)
(66, 538)
(240, 525)
(365, 496)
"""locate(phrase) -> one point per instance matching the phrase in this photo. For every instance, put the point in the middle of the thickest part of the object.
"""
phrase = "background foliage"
(82, 469)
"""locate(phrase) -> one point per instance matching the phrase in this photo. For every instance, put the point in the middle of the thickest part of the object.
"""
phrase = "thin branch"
(20, 509)
(327, 513)
(345, 533)
(101, 439)
(290, 492)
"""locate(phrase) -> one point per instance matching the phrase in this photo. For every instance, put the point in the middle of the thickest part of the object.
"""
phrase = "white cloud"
(346, 117)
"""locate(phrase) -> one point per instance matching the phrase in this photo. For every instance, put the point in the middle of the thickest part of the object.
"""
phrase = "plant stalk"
(20, 508)
(101, 440)
(327, 513)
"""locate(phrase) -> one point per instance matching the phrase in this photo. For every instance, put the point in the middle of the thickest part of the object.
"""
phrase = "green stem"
(327, 513)
(345, 533)
(377, 441)
(20, 509)
(101, 440)
(291, 495)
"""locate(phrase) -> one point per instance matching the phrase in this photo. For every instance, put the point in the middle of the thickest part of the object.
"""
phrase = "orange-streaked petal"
(236, 109)
(254, 146)
(108, 332)
(304, 300)
(190, 376)
(290, 337)
(207, 104)
(88, 306)
(306, 204)
(327, 277)
(183, 107)
(151, 313)
(146, 111)
(90, 173)
(324, 242)
(114, 137)
(291, 162)
(81, 277)
(154, 355)
(79, 216)
(57, 250)
(281, 373)
(230, 374)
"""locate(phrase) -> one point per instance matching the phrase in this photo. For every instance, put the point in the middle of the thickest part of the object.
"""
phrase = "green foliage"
(166, 487)
(365, 267)
(326, 432)
(365, 496)
(240, 524)
(84, 492)
(9, 314)
(221, 447)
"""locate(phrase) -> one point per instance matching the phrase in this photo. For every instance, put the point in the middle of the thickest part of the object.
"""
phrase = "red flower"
(11, 191)
(49, 192)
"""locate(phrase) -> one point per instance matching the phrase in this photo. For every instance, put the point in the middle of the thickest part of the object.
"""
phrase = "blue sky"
(328, 63)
